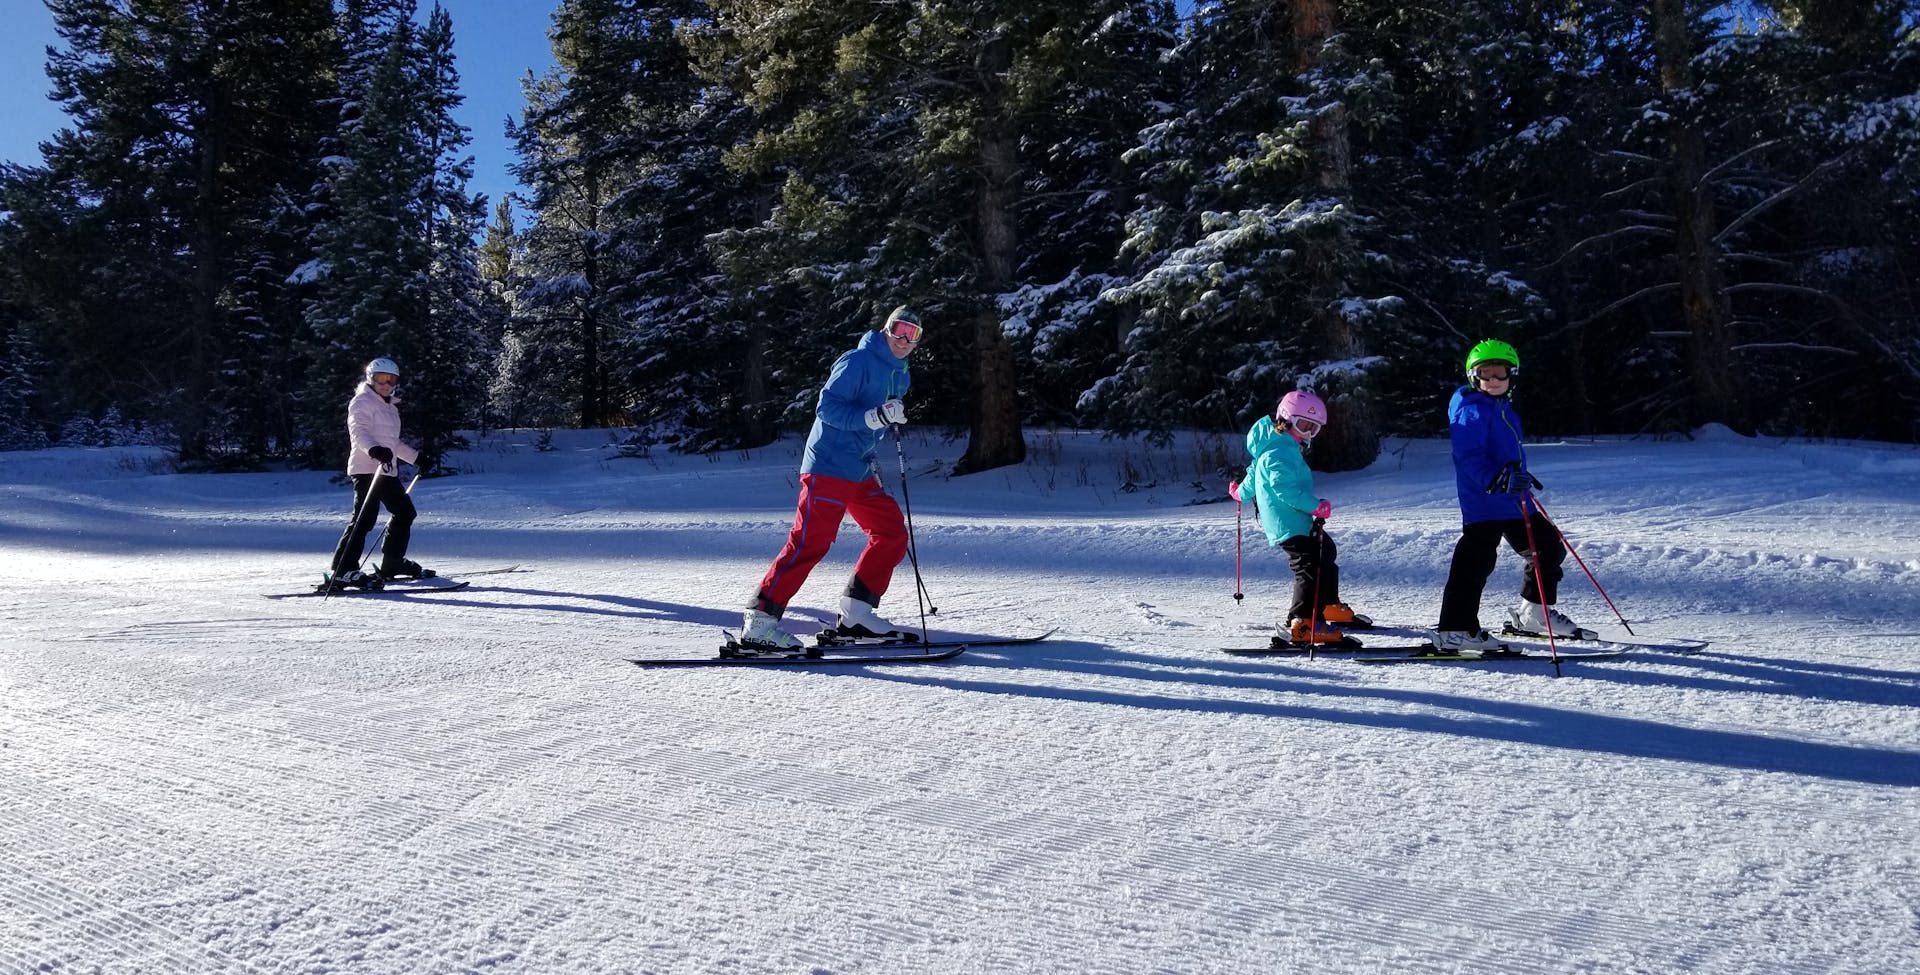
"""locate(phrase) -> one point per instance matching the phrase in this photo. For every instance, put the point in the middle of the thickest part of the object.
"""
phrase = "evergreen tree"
(21, 426)
(192, 135)
(1076, 202)
(911, 130)
(395, 270)
(460, 340)
(1262, 261)
(571, 140)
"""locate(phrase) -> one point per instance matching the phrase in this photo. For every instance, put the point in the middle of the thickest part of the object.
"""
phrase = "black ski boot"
(405, 569)
(350, 579)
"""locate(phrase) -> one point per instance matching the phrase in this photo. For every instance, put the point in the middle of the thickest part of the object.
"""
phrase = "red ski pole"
(1313, 616)
(1539, 578)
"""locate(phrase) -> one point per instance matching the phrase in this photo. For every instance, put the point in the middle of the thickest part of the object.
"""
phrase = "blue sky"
(496, 42)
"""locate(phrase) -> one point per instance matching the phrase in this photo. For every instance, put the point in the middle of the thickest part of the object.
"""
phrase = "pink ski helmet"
(1301, 404)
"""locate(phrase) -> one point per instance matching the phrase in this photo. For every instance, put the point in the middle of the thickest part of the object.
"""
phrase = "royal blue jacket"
(1486, 438)
(1282, 483)
(841, 444)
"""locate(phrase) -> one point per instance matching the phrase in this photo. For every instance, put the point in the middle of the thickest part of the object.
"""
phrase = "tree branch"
(1636, 296)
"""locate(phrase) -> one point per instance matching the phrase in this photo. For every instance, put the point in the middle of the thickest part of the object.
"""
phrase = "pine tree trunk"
(593, 375)
(756, 426)
(209, 258)
(995, 438)
(1717, 393)
(1313, 22)
(1352, 438)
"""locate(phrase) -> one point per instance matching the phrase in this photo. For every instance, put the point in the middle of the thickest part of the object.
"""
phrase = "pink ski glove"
(1233, 490)
(1323, 511)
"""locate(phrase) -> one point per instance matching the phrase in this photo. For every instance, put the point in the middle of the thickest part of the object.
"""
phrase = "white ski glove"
(891, 412)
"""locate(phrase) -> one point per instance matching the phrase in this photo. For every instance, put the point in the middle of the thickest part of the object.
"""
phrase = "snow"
(200, 780)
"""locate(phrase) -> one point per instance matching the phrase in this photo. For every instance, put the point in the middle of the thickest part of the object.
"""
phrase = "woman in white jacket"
(373, 426)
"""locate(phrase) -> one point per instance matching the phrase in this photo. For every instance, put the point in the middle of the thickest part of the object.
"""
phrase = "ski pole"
(359, 508)
(1581, 562)
(913, 549)
(1539, 578)
(1239, 533)
(359, 566)
(1319, 566)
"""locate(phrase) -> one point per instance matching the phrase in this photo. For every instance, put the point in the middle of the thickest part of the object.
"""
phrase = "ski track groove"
(53, 921)
(529, 852)
(411, 823)
(792, 784)
(1043, 838)
(798, 784)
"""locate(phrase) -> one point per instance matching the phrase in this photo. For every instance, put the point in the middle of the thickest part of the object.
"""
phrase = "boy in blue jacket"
(1293, 518)
(838, 478)
(1494, 486)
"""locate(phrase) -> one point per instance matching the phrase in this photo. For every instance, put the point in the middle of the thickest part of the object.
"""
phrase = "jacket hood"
(1266, 435)
(876, 343)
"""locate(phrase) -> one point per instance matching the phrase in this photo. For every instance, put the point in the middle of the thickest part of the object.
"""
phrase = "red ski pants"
(824, 501)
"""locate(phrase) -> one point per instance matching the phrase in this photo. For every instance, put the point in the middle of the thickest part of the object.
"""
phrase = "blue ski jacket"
(1282, 483)
(841, 445)
(1486, 437)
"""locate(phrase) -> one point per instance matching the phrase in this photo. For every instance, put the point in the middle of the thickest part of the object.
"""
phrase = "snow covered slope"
(197, 780)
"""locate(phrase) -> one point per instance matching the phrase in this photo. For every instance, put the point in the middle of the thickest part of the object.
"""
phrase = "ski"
(1632, 643)
(800, 659)
(1681, 645)
(1580, 634)
(825, 642)
(403, 591)
(1611, 642)
(480, 572)
(1498, 658)
(1687, 647)
(1291, 650)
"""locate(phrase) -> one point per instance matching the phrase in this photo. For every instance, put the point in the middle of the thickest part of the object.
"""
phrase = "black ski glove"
(381, 453)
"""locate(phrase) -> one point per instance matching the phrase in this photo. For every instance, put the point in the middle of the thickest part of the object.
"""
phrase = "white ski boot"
(857, 619)
(1531, 619)
(1467, 643)
(761, 633)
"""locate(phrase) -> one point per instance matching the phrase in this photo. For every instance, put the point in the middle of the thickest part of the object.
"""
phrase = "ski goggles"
(905, 331)
(1494, 373)
(384, 379)
(1307, 426)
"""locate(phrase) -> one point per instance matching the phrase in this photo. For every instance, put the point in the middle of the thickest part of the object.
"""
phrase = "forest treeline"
(1127, 216)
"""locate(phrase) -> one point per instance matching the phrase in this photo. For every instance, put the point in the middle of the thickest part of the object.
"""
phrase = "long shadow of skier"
(1469, 716)
(603, 604)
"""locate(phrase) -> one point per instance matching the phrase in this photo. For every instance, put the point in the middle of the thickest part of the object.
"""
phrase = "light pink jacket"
(372, 419)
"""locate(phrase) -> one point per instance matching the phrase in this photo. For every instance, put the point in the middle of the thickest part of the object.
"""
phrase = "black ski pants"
(1311, 556)
(1478, 550)
(386, 490)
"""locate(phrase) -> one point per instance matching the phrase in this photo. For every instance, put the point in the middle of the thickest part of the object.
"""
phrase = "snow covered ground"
(194, 779)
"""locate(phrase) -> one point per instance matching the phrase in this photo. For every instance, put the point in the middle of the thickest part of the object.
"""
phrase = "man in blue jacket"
(838, 478)
(1491, 478)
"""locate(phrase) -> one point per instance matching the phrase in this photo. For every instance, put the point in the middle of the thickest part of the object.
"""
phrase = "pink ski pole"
(1580, 561)
(1539, 578)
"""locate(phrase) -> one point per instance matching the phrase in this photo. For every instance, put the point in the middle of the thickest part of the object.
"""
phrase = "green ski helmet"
(1492, 350)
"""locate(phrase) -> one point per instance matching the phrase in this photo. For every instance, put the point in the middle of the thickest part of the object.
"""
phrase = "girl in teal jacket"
(1294, 519)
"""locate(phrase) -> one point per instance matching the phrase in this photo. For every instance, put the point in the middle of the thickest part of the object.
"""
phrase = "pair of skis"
(1602, 648)
(842, 651)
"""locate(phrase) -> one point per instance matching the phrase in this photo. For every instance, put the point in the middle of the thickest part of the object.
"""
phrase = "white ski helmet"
(382, 365)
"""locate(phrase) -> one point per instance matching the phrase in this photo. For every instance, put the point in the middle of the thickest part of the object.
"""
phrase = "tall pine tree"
(172, 195)
(395, 269)
(912, 131)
